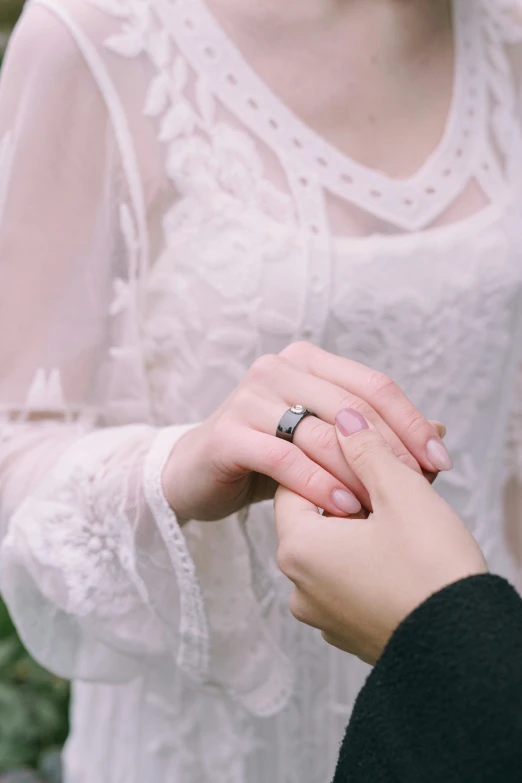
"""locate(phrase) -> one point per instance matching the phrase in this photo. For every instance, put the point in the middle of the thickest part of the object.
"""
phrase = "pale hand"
(358, 579)
(233, 458)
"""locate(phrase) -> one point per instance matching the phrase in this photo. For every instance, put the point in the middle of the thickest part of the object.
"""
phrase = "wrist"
(175, 477)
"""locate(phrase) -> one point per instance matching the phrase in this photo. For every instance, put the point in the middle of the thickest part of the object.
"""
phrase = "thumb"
(367, 453)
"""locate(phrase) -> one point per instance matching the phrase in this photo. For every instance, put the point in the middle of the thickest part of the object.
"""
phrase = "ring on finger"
(290, 420)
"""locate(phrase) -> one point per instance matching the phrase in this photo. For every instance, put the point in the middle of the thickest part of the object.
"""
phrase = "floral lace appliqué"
(83, 536)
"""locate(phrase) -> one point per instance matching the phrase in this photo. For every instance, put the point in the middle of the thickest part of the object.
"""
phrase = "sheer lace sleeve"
(94, 567)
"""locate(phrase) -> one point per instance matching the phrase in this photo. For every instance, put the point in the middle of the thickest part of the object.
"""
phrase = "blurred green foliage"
(33, 705)
(9, 12)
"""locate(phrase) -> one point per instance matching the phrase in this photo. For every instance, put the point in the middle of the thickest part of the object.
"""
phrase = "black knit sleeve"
(444, 703)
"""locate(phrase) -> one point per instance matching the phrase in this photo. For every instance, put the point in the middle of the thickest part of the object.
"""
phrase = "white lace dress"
(164, 220)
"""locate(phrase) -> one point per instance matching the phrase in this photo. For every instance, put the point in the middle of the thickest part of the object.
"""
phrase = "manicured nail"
(349, 422)
(346, 502)
(438, 455)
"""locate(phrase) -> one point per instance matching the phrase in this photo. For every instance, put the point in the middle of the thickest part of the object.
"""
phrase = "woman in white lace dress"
(186, 186)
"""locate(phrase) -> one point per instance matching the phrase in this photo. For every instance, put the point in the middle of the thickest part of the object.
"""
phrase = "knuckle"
(380, 384)
(280, 457)
(298, 351)
(289, 466)
(264, 368)
(288, 559)
(364, 453)
(299, 609)
(242, 401)
(311, 478)
(330, 638)
(359, 405)
(416, 423)
(324, 437)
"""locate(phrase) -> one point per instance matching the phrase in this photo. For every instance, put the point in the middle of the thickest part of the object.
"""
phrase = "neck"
(411, 22)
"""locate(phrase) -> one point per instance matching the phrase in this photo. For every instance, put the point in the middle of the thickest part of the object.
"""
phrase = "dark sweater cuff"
(482, 604)
(444, 702)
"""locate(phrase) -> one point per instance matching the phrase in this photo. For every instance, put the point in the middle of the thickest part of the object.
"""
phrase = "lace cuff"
(101, 580)
(93, 565)
(193, 652)
(226, 638)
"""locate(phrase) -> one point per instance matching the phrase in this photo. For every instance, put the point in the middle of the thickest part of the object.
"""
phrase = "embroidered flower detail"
(203, 155)
(230, 243)
(81, 535)
(191, 166)
(434, 339)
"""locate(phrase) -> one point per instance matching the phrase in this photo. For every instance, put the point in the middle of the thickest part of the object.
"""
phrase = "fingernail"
(346, 502)
(438, 455)
(350, 421)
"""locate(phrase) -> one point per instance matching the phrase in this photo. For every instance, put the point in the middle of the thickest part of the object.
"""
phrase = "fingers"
(316, 439)
(288, 465)
(369, 455)
(417, 434)
(319, 441)
(442, 430)
(325, 399)
(290, 509)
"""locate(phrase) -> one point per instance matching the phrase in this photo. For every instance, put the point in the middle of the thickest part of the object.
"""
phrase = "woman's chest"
(438, 312)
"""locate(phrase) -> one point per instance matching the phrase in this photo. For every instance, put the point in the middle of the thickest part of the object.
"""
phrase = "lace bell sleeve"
(98, 575)
(93, 565)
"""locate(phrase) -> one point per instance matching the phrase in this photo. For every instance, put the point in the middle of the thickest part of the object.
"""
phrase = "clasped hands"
(358, 579)
(233, 457)
(355, 579)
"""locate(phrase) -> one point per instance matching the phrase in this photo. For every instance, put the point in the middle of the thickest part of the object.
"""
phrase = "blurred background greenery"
(9, 13)
(33, 711)
(33, 703)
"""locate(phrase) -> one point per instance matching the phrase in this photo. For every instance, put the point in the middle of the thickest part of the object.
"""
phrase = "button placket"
(311, 209)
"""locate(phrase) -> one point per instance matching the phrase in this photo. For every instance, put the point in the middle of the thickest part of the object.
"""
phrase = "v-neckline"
(409, 202)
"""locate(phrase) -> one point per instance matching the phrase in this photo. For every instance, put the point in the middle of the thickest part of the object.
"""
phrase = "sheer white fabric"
(165, 220)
